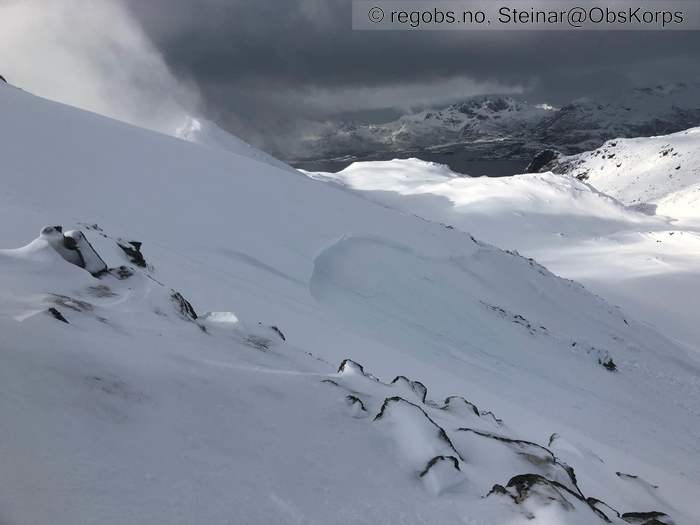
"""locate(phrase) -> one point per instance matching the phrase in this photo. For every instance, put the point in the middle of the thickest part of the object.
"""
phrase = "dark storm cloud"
(274, 64)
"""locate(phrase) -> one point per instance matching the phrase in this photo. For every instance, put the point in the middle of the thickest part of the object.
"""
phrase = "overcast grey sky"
(267, 67)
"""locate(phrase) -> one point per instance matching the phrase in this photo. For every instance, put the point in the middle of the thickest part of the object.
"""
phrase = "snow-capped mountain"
(175, 326)
(660, 174)
(507, 127)
(586, 123)
(487, 119)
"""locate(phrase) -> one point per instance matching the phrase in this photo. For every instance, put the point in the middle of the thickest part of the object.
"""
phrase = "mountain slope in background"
(495, 127)
(660, 174)
(197, 380)
(479, 118)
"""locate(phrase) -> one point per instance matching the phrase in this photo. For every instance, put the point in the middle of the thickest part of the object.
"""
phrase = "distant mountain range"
(507, 128)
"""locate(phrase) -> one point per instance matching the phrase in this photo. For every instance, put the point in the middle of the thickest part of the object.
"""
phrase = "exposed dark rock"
(279, 332)
(647, 518)
(450, 402)
(488, 413)
(70, 244)
(498, 489)
(596, 504)
(258, 342)
(636, 478)
(439, 459)
(90, 260)
(54, 236)
(517, 318)
(534, 453)
(628, 476)
(524, 486)
(442, 435)
(57, 315)
(133, 250)
(453, 401)
(348, 365)
(608, 364)
(416, 386)
(544, 450)
(3, 79)
(121, 273)
(354, 400)
(183, 306)
(541, 161)
(75, 248)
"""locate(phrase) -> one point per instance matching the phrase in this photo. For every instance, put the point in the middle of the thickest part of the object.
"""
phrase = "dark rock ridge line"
(521, 486)
(75, 248)
(183, 306)
(352, 400)
(552, 459)
(416, 386)
(57, 315)
(386, 407)
(133, 250)
(647, 518)
(437, 460)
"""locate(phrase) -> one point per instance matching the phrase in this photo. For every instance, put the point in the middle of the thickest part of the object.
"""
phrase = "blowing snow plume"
(92, 54)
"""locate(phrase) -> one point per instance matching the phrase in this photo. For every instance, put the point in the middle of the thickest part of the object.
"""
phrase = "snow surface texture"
(195, 380)
(648, 264)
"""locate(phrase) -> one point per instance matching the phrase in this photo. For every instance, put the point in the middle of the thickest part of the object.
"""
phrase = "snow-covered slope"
(660, 172)
(206, 133)
(126, 402)
(542, 196)
(646, 263)
(496, 127)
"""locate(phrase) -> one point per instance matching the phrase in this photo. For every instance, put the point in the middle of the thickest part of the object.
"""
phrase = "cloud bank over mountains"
(93, 55)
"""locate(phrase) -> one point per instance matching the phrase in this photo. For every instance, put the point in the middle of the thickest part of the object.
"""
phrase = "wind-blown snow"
(92, 54)
(127, 402)
(206, 133)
